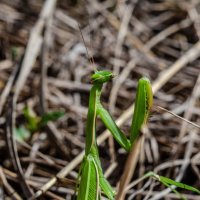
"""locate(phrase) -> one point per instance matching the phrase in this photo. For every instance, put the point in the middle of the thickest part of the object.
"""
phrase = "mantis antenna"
(90, 58)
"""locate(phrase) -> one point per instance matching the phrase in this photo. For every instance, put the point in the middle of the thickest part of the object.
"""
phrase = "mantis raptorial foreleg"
(92, 178)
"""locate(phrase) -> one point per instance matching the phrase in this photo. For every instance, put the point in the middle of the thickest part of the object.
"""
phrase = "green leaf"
(21, 134)
(50, 116)
(32, 120)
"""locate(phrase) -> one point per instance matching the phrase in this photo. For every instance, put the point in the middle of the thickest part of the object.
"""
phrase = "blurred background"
(45, 67)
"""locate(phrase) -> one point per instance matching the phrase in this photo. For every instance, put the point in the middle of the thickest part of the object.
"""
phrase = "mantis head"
(102, 77)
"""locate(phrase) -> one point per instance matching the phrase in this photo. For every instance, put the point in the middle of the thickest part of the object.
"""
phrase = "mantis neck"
(94, 101)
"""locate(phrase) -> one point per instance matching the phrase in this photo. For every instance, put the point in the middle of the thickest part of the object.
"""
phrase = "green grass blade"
(174, 190)
(178, 184)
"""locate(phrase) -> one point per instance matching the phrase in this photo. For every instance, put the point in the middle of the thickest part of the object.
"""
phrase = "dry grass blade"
(193, 99)
(12, 147)
(129, 169)
(8, 187)
(189, 122)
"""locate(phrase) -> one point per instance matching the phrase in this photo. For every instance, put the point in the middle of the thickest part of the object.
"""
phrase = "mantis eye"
(102, 76)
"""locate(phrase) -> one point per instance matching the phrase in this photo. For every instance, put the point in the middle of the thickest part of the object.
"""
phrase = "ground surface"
(44, 65)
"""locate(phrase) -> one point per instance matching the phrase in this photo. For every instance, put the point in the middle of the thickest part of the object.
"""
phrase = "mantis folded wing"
(89, 185)
(92, 180)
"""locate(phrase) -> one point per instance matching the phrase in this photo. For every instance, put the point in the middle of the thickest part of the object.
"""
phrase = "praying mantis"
(92, 180)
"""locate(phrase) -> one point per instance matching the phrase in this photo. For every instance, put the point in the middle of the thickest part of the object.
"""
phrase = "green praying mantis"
(92, 180)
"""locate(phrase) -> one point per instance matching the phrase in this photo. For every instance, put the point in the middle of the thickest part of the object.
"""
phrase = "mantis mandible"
(92, 180)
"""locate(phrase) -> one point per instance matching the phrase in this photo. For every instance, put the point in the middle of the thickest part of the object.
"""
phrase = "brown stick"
(130, 165)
